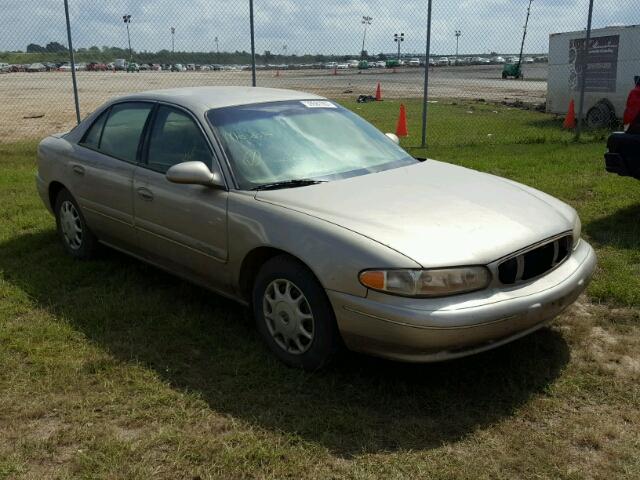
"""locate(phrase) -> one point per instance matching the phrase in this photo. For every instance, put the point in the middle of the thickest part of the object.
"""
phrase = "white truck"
(120, 64)
(611, 62)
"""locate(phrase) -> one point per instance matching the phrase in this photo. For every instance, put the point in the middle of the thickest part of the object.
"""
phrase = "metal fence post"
(426, 78)
(253, 45)
(583, 77)
(73, 62)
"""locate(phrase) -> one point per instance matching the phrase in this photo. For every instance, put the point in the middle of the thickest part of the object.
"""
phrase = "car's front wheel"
(294, 315)
(78, 240)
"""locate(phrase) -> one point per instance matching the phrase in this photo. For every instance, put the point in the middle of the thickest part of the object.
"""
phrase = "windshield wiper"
(298, 182)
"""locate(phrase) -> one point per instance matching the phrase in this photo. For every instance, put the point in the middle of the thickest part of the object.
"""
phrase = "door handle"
(78, 169)
(145, 193)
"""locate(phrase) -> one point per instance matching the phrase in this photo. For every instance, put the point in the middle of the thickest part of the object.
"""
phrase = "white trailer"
(611, 62)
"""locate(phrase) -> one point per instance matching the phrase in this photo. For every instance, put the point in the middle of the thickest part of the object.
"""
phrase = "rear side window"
(123, 128)
(175, 138)
(92, 137)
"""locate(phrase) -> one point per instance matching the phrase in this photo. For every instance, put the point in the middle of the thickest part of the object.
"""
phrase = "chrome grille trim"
(535, 260)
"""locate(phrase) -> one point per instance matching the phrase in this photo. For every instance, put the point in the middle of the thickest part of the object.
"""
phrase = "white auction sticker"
(317, 104)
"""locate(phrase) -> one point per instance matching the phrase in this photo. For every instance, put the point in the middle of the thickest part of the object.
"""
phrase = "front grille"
(535, 262)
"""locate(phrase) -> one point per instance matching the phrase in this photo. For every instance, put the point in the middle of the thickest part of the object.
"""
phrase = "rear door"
(183, 227)
(102, 169)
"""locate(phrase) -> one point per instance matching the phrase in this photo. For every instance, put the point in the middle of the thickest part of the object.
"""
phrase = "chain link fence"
(478, 58)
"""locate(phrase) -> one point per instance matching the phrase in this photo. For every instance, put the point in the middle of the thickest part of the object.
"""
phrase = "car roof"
(201, 99)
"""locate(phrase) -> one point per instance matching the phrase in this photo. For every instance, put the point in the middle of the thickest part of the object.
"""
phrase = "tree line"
(56, 52)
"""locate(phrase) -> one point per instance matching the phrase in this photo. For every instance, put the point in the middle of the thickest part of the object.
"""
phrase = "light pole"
(173, 37)
(366, 21)
(217, 49)
(127, 21)
(457, 34)
(398, 39)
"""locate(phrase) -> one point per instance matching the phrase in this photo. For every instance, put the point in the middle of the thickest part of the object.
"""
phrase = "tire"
(281, 284)
(601, 115)
(76, 237)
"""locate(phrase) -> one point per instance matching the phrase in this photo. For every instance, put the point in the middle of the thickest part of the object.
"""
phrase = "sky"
(306, 26)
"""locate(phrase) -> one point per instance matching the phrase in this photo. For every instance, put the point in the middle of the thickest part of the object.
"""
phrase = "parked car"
(498, 60)
(342, 66)
(289, 203)
(36, 67)
(528, 60)
(133, 67)
(4, 67)
(443, 61)
(178, 67)
(96, 67)
(623, 154)
(381, 64)
(414, 62)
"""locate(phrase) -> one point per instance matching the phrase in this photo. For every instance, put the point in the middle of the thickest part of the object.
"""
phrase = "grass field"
(113, 369)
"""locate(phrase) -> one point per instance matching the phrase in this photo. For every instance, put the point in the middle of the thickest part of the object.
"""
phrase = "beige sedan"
(324, 226)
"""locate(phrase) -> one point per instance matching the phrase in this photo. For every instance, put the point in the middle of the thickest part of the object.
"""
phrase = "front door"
(182, 227)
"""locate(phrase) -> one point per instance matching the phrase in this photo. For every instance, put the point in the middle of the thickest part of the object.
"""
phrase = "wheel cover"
(288, 316)
(71, 225)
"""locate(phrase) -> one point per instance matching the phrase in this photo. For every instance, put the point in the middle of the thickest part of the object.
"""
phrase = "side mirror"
(194, 173)
(393, 137)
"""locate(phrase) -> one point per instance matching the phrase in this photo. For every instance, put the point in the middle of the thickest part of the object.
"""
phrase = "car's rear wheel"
(294, 315)
(78, 240)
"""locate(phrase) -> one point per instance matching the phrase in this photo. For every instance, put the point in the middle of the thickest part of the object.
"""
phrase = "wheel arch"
(253, 262)
(54, 189)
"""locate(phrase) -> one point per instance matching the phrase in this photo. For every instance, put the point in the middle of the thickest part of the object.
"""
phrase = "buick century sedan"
(325, 227)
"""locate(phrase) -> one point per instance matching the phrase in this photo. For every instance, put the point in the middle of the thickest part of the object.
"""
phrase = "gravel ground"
(35, 104)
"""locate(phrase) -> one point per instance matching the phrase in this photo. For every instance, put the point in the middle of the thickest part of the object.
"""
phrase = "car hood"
(435, 213)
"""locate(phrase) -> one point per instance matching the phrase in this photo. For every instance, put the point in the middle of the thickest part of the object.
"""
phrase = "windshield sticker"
(317, 104)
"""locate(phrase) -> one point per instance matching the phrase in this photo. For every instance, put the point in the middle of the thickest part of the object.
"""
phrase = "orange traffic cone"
(401, 127)
(570, 119)
(378, 93)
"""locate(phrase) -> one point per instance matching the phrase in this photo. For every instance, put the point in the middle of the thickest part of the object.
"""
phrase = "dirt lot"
(35, 104)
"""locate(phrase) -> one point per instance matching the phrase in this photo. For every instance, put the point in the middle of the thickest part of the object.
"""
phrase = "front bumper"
(427, 330)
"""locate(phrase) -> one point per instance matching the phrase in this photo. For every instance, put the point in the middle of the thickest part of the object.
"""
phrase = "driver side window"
(175, 138)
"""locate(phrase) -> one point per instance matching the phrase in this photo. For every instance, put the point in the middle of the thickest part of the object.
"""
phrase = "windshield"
(282, 141)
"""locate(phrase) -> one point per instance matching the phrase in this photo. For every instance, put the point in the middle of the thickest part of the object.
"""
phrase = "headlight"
(427, 283)
(577, 231)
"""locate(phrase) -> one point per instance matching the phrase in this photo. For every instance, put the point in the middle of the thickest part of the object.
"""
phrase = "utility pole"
(398, 39)
(366, 21)
(217, 50)
(127, 21)
(457, 34)
(173, 43)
